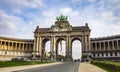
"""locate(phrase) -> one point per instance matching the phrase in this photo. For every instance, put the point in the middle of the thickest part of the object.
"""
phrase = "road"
(64, 67)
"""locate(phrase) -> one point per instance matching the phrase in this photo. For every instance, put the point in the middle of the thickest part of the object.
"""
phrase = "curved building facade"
(15, 48)
(106, 48)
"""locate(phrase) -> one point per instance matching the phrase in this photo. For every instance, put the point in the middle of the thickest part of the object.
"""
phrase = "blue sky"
(19, 18)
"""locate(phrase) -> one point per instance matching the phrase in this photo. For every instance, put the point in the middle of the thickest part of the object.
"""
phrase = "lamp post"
(4, 56)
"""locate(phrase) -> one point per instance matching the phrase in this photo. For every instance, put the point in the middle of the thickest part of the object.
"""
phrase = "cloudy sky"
(19, 18)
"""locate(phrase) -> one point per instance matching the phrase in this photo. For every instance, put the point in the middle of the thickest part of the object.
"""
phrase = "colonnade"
(11, 47)
(107, 47)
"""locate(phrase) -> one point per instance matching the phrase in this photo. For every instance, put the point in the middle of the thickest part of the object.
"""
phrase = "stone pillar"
(51, 43)
(35, 44)
(52, 49)
(103, 46)
(70, 48)
(92, 48)
(89, 47)
(19, 48)
(37, 49)
(26, 47)
(22, 46)
(15, 46)
(56, 51)
(40, 46)
(67, 49)
(117, 45)
(8, 45)
(11, 46)
(83, 44)
(100, 48)
(86, 44)
(113, 45)
(0, 45)
(95, 46)
(108, 45)
(4, 45)
(83, 47)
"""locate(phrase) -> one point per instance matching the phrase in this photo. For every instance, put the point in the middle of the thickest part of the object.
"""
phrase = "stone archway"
(62, 30)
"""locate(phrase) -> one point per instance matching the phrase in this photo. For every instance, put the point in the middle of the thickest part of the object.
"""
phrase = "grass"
(19, 63)
(109, 66)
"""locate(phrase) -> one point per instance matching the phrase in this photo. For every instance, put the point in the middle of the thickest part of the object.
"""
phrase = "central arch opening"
(60, 49)
(76, 49)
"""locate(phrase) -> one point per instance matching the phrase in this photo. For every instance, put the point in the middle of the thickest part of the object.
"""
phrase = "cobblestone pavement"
(86, 67)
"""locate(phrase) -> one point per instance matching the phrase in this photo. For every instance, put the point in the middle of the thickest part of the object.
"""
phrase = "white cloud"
(68, 11)
(27, 3)
(14, 26)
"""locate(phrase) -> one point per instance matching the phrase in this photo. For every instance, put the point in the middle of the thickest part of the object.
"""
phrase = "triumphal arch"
(61, 30)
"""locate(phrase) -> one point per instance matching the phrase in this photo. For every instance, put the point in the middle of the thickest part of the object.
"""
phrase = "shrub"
(110, 66)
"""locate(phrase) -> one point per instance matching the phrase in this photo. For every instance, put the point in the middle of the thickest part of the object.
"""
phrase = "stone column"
(67, 48)
(37, 49)
(113, 45)
(19, 46)
(0, 44)
(108, 45)
(14, 46)
(117, 45)
(95, 46)
(86, 44)
(22, 47)
(103, 46)
(4, 45)
(100, 48)
(83, 44)
(11, 46)
(70, 48)
(40, 49)
(89, 47)
(26, 46)
(56, 49)
(8, 46)
(35, 44)
(54, 46)
(92, 48)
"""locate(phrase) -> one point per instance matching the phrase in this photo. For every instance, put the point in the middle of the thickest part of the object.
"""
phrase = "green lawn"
(19, 63)
(109, 66)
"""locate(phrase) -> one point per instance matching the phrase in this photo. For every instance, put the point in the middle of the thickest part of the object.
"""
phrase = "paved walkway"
(86, 67)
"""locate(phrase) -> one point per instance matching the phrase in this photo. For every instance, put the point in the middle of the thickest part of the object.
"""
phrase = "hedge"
(109, 66)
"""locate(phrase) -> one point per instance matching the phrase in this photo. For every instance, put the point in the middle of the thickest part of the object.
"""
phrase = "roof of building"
(16, 39)
(105, 38)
